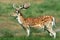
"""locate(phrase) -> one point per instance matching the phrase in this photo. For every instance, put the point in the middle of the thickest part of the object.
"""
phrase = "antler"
(26, 5)
(19, 7)
(14, 6)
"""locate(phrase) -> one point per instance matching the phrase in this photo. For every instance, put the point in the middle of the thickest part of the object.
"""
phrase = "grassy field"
(10, 28)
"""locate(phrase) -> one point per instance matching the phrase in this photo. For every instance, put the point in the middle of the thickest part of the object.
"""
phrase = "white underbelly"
(38, 26)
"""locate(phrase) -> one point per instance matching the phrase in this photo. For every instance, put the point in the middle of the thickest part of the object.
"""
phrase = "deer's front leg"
(28, 31)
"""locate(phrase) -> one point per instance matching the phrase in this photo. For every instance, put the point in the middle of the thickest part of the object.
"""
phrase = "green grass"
(28, 38)
(46, 8)
(9, 25)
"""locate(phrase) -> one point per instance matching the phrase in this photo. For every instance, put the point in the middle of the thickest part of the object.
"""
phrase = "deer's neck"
(20, 19)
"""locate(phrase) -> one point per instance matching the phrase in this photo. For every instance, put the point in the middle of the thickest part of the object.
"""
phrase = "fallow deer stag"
(43, 22)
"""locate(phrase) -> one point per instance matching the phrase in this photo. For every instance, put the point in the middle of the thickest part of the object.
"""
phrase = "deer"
(42, 22)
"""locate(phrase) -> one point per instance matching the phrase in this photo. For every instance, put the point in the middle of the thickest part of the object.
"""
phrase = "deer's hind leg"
(51, 31)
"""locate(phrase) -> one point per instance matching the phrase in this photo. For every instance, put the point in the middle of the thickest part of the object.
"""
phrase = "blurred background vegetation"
(9, 25)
